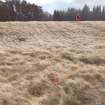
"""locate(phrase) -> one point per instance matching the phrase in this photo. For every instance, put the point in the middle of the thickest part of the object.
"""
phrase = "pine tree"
(85, 13)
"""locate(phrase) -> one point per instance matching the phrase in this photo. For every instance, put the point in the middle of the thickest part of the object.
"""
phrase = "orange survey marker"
(55, 79)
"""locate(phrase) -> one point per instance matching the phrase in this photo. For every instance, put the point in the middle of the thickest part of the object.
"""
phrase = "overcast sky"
(50, 5)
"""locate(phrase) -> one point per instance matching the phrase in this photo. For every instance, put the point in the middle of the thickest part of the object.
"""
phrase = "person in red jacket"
(78, 18)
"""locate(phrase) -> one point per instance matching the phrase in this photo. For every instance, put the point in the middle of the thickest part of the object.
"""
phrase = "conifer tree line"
(21, 10)
(97, 13)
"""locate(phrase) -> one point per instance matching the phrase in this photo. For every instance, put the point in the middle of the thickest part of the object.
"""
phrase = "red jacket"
(77, 18)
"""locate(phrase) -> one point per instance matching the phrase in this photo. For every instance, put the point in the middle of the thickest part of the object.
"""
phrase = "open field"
(52, 63)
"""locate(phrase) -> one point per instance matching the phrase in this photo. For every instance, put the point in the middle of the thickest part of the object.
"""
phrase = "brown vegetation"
(31, 52)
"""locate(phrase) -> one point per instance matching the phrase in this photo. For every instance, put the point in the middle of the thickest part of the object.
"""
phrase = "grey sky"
(50, 5)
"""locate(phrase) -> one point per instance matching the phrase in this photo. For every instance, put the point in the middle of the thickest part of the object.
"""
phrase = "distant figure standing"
(78, 18)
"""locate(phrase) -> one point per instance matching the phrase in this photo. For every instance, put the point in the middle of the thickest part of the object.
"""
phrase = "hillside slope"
(52, 63)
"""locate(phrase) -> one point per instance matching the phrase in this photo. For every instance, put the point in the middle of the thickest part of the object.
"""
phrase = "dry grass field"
(52, 63)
